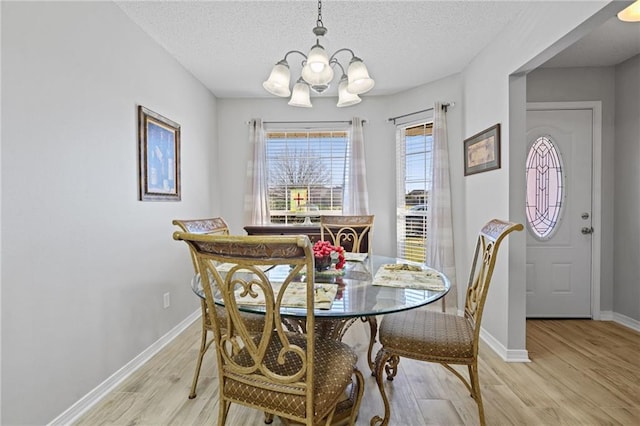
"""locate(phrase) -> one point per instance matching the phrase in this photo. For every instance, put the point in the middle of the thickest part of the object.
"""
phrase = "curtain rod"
(445, 106)
(307, 121)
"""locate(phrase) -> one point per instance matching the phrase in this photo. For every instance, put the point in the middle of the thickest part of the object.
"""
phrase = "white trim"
(620, 319)
(508, 355)
(81, 406)
(596, 188)
(625, 321)
(606, 316)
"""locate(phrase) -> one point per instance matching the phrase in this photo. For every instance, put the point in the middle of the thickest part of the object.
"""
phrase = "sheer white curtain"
(439, 249)
(256, 205)
(355, 197)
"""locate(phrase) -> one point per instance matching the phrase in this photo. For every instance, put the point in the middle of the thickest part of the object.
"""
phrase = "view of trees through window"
(307, 171)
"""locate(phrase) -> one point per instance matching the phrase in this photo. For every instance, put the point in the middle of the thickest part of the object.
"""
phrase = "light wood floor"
(582, 373)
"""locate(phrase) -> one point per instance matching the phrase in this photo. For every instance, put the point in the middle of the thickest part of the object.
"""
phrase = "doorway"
(563, 210)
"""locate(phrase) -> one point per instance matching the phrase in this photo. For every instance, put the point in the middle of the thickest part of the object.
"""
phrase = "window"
(545, 188)
(414, 156)
(306, 173)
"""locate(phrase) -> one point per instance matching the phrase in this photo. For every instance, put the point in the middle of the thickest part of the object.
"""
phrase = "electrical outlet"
(167, 300)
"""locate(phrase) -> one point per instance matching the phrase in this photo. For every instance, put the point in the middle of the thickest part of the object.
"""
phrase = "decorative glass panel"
(545, 187)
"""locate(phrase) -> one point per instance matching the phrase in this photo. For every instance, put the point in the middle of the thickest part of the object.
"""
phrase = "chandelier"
(631, 13)
(317, 74)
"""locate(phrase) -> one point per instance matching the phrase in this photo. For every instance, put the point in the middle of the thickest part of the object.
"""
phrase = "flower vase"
(323, 263)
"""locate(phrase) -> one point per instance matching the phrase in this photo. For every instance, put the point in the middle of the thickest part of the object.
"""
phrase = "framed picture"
(159, 157)
(482, 151)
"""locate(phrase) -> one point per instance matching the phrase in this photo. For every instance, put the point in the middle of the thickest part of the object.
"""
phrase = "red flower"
(322, 249)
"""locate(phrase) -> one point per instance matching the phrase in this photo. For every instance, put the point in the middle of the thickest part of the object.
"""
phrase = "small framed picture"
(482, 151)
(159, 157)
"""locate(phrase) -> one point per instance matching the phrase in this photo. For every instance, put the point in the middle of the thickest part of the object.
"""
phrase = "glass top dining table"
(357, 296)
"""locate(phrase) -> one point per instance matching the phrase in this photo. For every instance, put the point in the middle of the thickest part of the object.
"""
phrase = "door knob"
(587, 230)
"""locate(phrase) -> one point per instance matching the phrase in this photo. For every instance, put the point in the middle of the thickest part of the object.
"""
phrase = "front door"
(559, 206)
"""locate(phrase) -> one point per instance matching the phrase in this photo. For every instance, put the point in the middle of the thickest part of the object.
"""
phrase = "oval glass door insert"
(545, 188)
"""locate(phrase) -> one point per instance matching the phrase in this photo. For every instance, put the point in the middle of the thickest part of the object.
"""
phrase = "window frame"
(311, 135)
(412, 245)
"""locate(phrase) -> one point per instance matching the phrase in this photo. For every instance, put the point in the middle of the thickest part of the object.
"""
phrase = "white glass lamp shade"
(631, 13)
(359, 80)
(319, 79)
(317, 59)
(300, 96)
(278, 81)
(344, 97)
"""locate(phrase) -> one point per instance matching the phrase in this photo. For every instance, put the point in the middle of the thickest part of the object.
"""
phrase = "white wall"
(626, 298)
(486, 101)
(85, 264)
(588, 84)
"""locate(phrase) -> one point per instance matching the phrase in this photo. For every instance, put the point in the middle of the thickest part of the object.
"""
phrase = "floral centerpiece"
(326, 255)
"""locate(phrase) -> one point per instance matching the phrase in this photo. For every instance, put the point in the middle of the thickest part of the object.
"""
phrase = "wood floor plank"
(439, 412)
(582, 373)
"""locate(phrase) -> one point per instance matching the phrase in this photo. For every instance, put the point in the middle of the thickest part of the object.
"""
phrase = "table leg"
(373, 327)
(330, 328)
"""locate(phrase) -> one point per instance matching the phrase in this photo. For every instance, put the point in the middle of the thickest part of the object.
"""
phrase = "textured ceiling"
(230, 46)
(611, 43)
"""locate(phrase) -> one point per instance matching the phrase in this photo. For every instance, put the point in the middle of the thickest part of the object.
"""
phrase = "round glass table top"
(357, 295)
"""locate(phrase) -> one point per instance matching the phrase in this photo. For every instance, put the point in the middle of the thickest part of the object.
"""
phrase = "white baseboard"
(94, 396)
(606, 316)
(620, 319)
(509, 355)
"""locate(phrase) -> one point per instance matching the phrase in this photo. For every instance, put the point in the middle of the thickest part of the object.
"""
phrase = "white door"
(559, 213)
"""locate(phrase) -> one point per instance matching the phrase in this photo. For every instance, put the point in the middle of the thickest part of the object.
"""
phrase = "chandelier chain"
(319, 21)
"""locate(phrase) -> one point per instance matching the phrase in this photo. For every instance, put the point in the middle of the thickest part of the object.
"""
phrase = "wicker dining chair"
(438, 337)
(299, 377)
(354, 234)
(210, 226)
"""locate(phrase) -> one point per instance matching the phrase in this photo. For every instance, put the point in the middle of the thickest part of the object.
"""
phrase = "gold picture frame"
(482, 151)
(158, 157)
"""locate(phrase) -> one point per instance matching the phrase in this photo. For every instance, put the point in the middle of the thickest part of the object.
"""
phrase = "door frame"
(596, 187)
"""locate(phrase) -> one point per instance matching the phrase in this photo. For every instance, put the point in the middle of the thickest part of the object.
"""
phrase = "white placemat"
(355, 257)
(408, 276)
(295, 296)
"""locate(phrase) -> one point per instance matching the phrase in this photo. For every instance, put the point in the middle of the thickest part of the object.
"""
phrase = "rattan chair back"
(209, 226)
(482, 266)
(272, 371)
(353, 232)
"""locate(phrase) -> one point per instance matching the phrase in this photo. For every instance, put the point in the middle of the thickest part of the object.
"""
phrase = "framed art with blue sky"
(159, 157)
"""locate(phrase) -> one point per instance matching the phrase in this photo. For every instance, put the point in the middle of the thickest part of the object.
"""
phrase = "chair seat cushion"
(428, 336)
(334, 364)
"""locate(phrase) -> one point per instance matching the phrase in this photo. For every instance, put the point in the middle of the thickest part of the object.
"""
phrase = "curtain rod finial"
(447, 105)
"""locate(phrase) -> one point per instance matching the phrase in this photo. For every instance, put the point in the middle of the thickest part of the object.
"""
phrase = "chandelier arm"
(353, 55)
(294, 51)
(334, 61)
